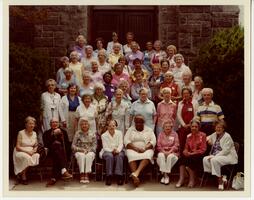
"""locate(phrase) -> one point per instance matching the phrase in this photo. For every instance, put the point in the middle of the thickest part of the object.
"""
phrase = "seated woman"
(168, 148)
(222, 153)
(112, 152)
(195, 148)
(139, 142)
(84, 149)
(24, 154)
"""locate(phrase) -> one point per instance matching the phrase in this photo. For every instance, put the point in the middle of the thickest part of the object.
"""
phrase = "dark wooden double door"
(141, 20)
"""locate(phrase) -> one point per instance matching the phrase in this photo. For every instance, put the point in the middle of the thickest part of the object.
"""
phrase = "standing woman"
(84, 148)
(171, 52)
(24, 154)
(109, 87)
(187, 110)
(118, 111)
(147, 56)
(145, 107)
(69, 104)
(103, 66)
(194, 150)
(86, 61)
(158, 54)
(64, 63)
(199, 84)
(168, 148)
(111, 44)
(88, 110)
(222, 153)
(80, 46)
(166, 110)
(179, 68)
(50, 105)
(76, 66)
(99, 44)
(87, 86)
(125, 87)
(112, 152)
(100, 101)
(129, 39)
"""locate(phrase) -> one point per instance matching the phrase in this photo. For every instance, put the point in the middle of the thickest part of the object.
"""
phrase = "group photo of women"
(133, 111)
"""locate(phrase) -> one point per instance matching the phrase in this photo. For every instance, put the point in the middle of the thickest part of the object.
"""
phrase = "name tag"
(112, 90)
(130, 56)
(190, 109)
(157, 54)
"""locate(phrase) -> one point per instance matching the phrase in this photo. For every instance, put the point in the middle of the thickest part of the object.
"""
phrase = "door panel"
(140, 21)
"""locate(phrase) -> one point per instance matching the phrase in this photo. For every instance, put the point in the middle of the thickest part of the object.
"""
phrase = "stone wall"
(187, 27)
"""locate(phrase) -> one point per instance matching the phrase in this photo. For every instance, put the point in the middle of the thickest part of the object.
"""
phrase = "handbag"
(238, 181)
(42, 151)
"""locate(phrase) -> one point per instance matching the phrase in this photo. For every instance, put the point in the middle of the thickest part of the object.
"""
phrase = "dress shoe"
(108, 180)
(135, 179)
(51, 182)
(66, 175)
(119, 180)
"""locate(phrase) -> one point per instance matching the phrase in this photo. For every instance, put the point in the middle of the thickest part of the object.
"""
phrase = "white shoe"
(221, 186)
(166, 180)
(163, 180)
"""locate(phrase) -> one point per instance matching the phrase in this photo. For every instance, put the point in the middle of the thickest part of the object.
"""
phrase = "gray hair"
(99, 85)
(207, 90)
(166, 89)
(29, 118)
(50, 81)
(179, 56)
(67, 69)
(74, 53)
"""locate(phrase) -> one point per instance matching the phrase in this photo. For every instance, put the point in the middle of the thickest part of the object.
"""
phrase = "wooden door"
(141, 20)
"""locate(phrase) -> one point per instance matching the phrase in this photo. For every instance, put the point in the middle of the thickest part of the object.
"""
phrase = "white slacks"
(166, 163)
(85, 161)
(214, 164)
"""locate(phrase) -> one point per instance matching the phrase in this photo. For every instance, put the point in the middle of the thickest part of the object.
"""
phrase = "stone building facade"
(187, 27)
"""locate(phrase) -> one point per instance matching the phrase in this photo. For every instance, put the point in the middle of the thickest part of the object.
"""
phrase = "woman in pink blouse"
(168, 148)
(193, 153)
(166, 110)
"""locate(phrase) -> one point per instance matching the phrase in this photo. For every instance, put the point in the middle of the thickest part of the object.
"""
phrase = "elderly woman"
(154, 83)
(198, 83)
(86, 61)
(158, 54)
(124, 86)
(194, 150)
(208, 112)
(76, 66)
(99, 44)
(84, 149)
(166, 110)
(115, 55)
(138, 69)
(145, 107)
(135, 53)
(88, 110)
(187, 110)
(179, 68)
(165, 67)
(222, 153)
(80, 46)
(126, 68)
(64, 63)
(112, 152)
(129, 39)
(118, 110)
(111, 44)
(139, 142)
(147, 57)
(171, 52)
(66, 81)
(138, 85)
(96, 75)
(103, 65)
(50, 105)
(100, 101)
(168, 148)
(169, 82)
(187, 80)
(69, 104)
(24, 154)
(87, 85)
(119, 75)
(109, 87)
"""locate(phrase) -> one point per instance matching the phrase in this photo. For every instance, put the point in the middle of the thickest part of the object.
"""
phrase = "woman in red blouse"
(168, 148)
(194, 150)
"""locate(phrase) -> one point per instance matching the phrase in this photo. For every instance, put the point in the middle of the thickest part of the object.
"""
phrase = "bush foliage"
(221, 64)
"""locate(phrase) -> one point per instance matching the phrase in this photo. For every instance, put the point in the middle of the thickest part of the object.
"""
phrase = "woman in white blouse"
(139, 141)
(222, 153)
(50, 105)
(112, 152)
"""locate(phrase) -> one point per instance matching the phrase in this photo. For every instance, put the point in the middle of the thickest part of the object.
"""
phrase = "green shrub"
(28, 72)
(221, 64)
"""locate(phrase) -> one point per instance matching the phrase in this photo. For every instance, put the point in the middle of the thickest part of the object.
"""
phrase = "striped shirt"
(208, 114)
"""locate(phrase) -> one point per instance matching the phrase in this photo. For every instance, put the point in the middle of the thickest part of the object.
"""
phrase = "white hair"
(99, 85)
(206, 90)
(74, 53)
(166, 89)
(179, 55)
